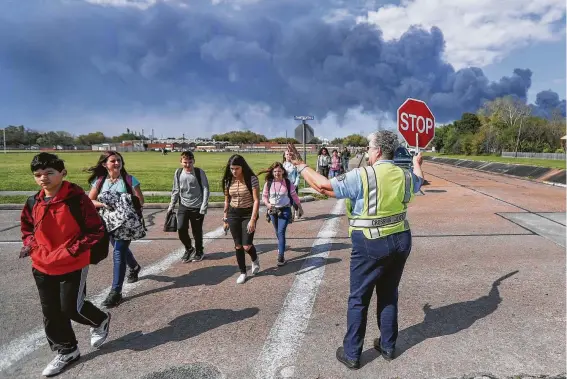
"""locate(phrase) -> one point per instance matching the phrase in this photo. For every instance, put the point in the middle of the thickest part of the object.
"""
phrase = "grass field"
(155, 171)
(551, 163)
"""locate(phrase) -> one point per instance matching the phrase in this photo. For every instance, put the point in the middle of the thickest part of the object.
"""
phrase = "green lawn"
(551, 163)
(155, 171)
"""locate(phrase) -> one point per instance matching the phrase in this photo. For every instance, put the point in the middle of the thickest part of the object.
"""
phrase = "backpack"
(197, 174)
(99, 251)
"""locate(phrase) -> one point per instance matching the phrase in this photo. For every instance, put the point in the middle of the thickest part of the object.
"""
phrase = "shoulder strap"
(178, 174)
(74, 204)
(99, 183)
(198, 175)
(30, 202)
(128, 181)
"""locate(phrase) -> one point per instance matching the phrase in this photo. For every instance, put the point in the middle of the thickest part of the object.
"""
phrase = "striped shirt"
(240, 197)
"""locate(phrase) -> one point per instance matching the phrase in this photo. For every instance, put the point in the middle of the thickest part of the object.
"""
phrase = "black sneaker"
(198, 257)
(187, 256)
(112, 300)
(281, 261)
(133, 275)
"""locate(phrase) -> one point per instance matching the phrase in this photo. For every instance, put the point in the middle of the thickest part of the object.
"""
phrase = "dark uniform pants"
(375, 265)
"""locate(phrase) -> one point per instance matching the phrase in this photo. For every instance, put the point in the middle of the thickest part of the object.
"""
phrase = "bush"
(560, 151)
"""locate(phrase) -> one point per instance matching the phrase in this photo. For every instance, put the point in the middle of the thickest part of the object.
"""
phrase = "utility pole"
(4, 131)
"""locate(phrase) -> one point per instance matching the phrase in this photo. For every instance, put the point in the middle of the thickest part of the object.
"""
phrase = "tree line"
(504, 124)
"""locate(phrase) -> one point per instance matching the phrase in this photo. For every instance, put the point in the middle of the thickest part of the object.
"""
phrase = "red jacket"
(58, 245)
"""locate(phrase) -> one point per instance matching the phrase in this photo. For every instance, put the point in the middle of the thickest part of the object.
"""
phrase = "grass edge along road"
(550, 163)
(155, 171)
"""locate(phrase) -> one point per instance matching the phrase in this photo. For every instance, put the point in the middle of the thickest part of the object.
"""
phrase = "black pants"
(324, 170)
(238, 219)
(62, 299)
(184, 217)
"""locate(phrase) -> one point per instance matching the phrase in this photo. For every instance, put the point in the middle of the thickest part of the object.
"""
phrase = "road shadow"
(317, 217)
(444, 321)
(208, 276)
(179, 329)
(263, 248)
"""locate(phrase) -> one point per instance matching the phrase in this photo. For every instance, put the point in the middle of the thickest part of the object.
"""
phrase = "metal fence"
(556, 156)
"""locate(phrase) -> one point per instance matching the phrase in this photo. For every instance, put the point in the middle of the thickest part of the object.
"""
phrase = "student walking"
(191, 190)
(279, 196)
(241, 207)
(60, 249)
(323, 162)
(335, 164)
(294, 177)
(119, 199)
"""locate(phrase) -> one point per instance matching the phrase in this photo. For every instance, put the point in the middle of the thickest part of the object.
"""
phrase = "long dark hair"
(237, 160)
(270, 171)
(99, 170)
(321, 151)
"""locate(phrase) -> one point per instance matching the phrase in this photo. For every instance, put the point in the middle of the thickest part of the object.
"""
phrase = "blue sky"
(208, 66)
(546, 60)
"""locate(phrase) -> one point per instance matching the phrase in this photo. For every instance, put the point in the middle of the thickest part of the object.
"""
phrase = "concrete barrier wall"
(543, 174)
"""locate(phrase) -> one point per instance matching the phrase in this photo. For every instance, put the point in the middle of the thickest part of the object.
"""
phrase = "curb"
(18, 207)
(500, 174)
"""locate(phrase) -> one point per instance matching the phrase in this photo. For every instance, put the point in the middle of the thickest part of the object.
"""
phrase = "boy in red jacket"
(60, 254)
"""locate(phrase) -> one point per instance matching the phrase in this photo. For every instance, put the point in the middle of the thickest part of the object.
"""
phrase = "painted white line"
(28, 343)
(282, 344)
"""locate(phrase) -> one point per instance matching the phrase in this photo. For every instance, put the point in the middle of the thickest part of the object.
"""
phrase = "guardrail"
(554, 156)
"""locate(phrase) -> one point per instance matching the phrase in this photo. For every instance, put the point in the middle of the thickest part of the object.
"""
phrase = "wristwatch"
(224, 219)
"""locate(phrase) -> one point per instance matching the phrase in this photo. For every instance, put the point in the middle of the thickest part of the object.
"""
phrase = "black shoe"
(133, 275)
(112, 300)
(387, 354)
(198, 257)
(187, 256)
(281, 261)
(350, 363)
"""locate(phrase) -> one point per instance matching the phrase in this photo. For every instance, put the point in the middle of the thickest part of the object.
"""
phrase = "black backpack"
(100, 250)
(197, 174)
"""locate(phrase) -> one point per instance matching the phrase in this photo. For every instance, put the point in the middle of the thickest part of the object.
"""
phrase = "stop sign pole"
(416, 122)
(303, 118)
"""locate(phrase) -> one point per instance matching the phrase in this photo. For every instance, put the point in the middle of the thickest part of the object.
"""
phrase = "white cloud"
(477, 32)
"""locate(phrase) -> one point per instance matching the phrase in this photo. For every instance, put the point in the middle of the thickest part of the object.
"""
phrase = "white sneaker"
(256, 266)
(60, 362)
(241, 279)
(99, 335)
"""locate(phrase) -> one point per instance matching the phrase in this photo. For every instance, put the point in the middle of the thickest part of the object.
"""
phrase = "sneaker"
(61, 361)
(241, 279)
(99, 334)
(256, 266)
(133, 275)
(281, 261)
(198, 257)
(112, 300)
(187, 256)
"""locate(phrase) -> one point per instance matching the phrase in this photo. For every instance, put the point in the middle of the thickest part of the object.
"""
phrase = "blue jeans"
(334, 173)
(280, 225)
(122, 256)
(375, 265)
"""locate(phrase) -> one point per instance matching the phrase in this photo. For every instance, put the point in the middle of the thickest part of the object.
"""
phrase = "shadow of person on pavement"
(445, 320)
(208, 276)
(179, 329)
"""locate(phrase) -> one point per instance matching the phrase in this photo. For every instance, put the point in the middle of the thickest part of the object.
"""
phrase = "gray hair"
(386, 140)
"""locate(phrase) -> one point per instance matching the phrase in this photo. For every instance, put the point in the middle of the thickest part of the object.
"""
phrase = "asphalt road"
(483, 292)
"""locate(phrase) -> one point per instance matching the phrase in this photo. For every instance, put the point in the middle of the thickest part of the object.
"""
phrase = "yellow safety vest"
(387, 191)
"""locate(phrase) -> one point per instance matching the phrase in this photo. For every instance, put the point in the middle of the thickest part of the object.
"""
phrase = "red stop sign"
(416, 123)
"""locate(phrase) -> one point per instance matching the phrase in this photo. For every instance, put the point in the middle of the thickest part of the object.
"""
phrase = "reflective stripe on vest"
(377, 222)
(372, 200)
(407, 195)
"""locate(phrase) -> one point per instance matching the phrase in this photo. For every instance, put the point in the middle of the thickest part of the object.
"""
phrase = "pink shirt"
(277, 194)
